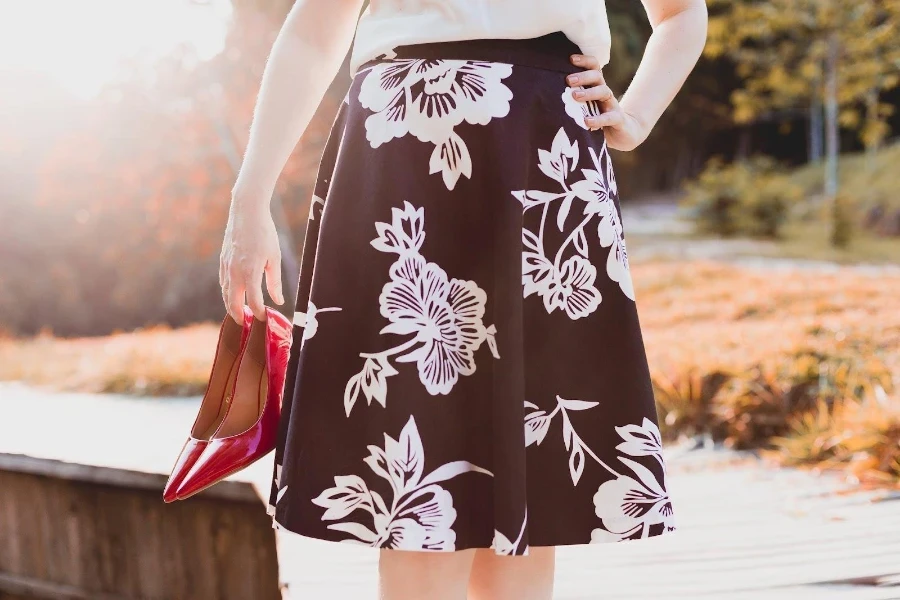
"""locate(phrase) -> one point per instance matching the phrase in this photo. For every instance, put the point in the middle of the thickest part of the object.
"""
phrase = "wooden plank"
(116, 547)
(30, 587)
(20, 463)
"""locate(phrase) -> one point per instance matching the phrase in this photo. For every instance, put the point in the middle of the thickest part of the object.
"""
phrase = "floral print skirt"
(468, 369)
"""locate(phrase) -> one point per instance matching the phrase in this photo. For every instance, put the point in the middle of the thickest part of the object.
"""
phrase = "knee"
(513, 577)
(414, 575)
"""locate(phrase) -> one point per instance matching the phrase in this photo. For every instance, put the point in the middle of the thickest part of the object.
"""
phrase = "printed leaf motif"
(576, 463)
(451, 470)
(629, 506)
(576, 404)
(451, 158)
(564, 283)
(640, 440)
(564, 211)
(536, 426)
(355, 529)
(405, 458)
(419, 516)
(350, 493)
(503, 546)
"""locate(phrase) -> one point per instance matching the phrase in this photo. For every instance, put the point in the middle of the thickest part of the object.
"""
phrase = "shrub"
(743, 198)
(761, 403)
(754, 357)
(841, 221)
(685, 401)
(859, 435)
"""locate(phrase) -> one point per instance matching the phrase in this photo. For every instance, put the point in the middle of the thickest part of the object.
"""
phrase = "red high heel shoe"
(214, 406)
(250, 427)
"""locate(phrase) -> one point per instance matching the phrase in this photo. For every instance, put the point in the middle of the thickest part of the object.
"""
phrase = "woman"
(468, 378)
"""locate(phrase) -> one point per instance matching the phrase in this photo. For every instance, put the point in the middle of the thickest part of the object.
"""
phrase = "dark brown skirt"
(468, 369)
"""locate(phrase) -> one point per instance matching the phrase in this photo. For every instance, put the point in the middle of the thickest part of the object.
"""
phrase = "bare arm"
(305, 57)
(679, 34)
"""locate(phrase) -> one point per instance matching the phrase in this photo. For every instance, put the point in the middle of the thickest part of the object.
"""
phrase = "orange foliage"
(125, 222)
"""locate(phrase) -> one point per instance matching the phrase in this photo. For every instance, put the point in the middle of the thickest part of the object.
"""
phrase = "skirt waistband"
(551, 51)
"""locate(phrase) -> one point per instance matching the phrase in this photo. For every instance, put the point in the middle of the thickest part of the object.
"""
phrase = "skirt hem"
(608, 540)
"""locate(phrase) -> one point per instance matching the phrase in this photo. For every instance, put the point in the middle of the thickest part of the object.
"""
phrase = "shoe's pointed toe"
(191, 451)
(219, 460)
(169, 492)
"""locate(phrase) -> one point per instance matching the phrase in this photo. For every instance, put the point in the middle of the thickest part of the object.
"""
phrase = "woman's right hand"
(250, 248)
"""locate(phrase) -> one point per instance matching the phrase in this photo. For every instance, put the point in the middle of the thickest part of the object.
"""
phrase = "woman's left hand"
(622, 131)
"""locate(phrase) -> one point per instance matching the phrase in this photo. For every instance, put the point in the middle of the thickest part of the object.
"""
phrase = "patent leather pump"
(232, 339)
(249, 430)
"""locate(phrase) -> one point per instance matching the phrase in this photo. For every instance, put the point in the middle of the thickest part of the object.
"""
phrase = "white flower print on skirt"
(428, 99)
(468, 369)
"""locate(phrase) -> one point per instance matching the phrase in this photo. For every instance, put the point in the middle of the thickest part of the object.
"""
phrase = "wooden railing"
(80, 532)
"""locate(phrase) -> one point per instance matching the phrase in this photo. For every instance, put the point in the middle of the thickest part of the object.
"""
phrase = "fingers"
(273, 280)
(614, 118)
(585, 78)
(234, 301)
(592, 75)
(600, 93)
(585, 61)
(254, 295)
(594, 89)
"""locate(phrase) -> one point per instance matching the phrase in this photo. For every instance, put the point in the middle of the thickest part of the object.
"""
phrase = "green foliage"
(781, 47)
(870, 184)
(750, 197)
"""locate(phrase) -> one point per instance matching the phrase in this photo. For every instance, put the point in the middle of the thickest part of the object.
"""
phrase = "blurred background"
(762, 219)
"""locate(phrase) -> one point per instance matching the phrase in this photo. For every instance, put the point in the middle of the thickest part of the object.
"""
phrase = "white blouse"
(386, 24)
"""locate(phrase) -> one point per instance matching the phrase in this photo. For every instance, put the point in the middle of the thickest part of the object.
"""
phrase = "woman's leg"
(513, 577)
(406, 575)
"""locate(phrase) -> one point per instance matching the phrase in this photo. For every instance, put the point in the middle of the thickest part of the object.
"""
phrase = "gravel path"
(658, 232)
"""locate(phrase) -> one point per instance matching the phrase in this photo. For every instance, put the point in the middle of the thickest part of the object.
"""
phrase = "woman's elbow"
(662, 11)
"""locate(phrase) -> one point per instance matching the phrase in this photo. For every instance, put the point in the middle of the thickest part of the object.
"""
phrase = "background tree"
(801, 55)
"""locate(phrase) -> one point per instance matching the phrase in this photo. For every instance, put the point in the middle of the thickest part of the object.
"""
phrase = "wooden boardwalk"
(746, 531)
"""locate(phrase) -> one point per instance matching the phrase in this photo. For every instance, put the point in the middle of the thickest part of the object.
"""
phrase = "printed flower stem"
(390, 352)
(541, 230)
(576, 439)
(571, 237)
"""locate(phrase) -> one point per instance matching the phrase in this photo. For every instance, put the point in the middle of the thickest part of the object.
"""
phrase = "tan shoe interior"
(250, 387)
(221, 380)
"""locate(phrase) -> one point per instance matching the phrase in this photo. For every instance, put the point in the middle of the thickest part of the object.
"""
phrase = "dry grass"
(802, 364)
(714, 315)
(157, 361)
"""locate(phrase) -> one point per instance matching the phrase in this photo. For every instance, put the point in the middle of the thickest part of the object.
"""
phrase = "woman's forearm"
(673, 50)
(305, 57)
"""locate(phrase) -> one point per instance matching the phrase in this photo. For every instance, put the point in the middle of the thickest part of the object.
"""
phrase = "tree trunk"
(832, 147)
(816, 143)
(872, 144)
(745, 144)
